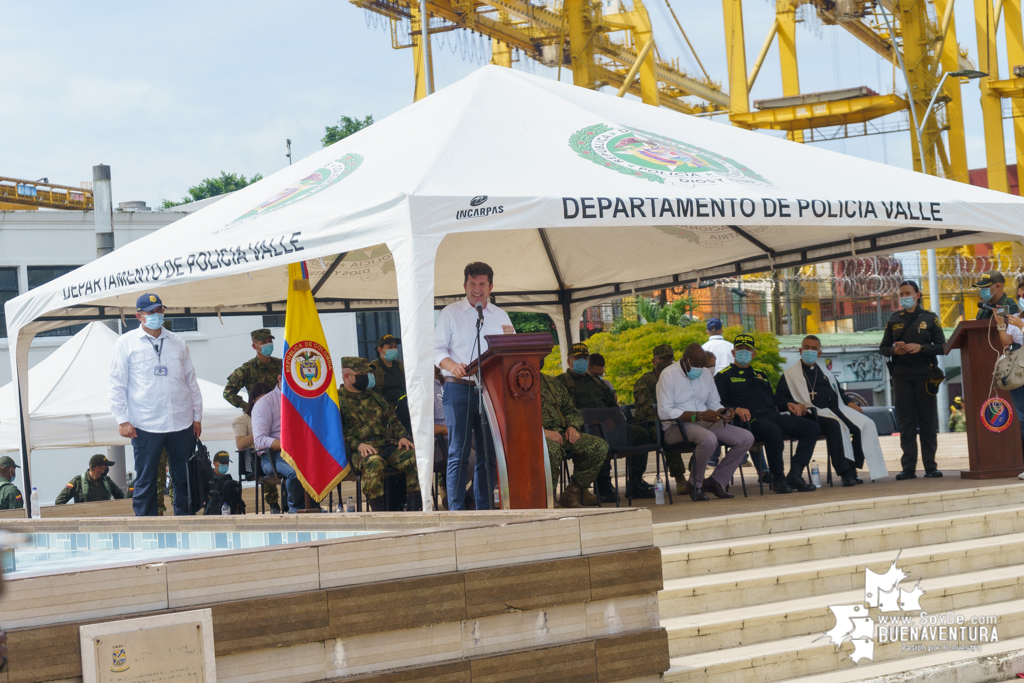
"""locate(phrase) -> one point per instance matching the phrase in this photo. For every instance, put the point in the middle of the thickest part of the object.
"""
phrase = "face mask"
(361, 382)
(744, 356)
(907, 302)
(986, 293)
(579, 366)
(154, 321)
(1020, 303)
(223, 469)
(809, 357)
(695, 373)
(267, 349)
(391, 355)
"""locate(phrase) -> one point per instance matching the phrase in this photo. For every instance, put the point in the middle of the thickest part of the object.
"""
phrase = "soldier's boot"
(275, 509)
(378, 504)
(588, 498)
(570, 497)
(681, 484)
(413, 501)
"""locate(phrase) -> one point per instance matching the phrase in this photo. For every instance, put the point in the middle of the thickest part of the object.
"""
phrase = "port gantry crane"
(599, 48)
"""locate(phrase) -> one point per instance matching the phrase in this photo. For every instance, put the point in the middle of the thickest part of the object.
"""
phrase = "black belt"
(456, 380)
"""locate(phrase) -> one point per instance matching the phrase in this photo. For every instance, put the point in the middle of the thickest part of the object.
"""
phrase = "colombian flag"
(311, 436)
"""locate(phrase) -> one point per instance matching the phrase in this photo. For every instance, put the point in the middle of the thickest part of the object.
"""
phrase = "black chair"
(661, 454)
(610, 424)
(884, 418)
(807, 468)
(686, 446)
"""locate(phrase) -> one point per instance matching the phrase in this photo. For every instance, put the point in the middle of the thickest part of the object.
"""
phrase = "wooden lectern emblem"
(996, 414)
(523, 380)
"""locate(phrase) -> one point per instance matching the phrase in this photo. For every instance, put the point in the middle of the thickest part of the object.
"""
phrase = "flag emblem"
(309, 369)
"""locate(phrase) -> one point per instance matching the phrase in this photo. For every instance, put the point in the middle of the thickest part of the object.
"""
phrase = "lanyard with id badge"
(160, 370)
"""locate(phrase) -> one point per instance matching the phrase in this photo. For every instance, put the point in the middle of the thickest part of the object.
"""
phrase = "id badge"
(160, 371)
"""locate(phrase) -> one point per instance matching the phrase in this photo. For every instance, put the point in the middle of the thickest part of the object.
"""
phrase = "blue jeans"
(296, 494)
(147, 447)
(461, 411)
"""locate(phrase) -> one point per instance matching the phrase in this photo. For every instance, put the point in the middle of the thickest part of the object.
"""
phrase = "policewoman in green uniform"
(10, 495)
(912, 340)
(91, 486)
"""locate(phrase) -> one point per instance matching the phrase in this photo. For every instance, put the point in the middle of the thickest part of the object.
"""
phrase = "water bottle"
(341, 507)
(350, 505)
(497, 499)
(815, 477)
(34, 498)
(659, 491)
(225, 509)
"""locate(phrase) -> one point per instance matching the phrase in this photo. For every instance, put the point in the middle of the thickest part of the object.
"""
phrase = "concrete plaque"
(160, 649)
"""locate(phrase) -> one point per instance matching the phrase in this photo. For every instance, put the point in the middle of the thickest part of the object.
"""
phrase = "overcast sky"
(170, 93)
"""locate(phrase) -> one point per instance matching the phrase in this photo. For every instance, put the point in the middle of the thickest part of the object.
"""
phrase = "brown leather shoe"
(570, 497)
(716, 489)
(695, 496)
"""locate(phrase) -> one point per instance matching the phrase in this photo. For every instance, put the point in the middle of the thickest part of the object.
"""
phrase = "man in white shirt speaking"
(454, 349)
(687, 396)
(154, 396)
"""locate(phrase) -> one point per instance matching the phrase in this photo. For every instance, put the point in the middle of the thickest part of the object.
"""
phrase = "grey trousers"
(705, 437)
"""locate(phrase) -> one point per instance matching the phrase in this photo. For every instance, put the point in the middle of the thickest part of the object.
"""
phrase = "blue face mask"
(154, 321)
(579, 366)
(222, 468)
(809, 357)
(267, 349)
(1020, 303)
(695, 373)
(391, 355)
(744, 356)
(907, 302)
(371, 380)
(986, 294)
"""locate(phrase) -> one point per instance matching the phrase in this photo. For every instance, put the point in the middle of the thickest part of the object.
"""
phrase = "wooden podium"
(511, 375)
(991, 455)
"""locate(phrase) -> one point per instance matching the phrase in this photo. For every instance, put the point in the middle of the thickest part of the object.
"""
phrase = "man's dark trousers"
(771, 429)
(833, 433)
(461, 409)
(915, 409)
(147, 447)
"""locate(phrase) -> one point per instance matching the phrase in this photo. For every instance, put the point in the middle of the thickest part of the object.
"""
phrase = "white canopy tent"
(68, 399)
(574, 197)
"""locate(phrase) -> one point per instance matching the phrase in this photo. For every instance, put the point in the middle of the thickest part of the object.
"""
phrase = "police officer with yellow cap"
(10, 495)
(991, 285)
(92, 485)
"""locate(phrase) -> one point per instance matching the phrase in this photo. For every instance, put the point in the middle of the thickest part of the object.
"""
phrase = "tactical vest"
(85, 487)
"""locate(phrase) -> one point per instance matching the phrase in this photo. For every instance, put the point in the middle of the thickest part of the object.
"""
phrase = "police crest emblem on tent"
(657, 158)
(317, 181)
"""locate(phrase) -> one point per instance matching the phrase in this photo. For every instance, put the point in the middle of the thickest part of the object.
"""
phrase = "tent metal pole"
(330, 271)
(563, 295)
(26, 466)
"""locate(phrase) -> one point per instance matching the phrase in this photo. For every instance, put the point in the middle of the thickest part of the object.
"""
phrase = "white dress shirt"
(722, 350)
(150, 402)
(266, 420)
(455, 332)
(678, 394)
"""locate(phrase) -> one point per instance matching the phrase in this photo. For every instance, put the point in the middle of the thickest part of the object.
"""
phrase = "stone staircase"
(746, 597)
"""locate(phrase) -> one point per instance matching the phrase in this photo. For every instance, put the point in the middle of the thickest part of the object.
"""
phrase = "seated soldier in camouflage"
(374, 438)
(93, 485)
(562, 425)
(645, 400)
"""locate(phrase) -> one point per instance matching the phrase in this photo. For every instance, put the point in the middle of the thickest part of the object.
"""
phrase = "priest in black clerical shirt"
(822, 394)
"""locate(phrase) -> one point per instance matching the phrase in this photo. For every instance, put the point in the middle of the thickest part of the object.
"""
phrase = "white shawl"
(868, 432)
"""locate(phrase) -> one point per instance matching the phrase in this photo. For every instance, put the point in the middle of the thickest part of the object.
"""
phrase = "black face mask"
(361, 382)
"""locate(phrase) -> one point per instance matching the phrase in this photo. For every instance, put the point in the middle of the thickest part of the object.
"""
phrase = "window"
(8, 290)
(372, 326)
(273, 321)
(39, 276)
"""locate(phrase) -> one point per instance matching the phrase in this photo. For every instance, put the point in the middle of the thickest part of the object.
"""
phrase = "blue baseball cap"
(714, 324)
(147, 302)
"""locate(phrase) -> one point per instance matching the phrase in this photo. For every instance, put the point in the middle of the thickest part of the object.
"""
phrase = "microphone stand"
(484, 426)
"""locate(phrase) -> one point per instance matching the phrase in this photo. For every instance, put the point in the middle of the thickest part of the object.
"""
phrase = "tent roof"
(68, 398)
(674, 199)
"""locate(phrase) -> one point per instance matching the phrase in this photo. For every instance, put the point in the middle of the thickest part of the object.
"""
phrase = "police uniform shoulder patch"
(70, 485)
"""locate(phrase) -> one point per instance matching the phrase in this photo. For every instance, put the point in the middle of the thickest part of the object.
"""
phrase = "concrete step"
(709, 557)
(811, 655)
(693, 634)
(760, 586)
(807, 514)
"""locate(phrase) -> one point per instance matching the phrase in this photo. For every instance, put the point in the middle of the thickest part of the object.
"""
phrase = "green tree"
(648, 310)
(628, 354)
(212, 187)
(533, 322)
(346, 126)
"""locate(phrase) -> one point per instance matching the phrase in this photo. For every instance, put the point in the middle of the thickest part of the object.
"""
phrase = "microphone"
(479, 310)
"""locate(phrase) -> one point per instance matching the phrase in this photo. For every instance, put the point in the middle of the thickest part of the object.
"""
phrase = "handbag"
(1008, 372)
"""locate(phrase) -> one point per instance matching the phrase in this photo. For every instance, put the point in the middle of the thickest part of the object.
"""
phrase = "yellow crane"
(28, 195)
(599, 47)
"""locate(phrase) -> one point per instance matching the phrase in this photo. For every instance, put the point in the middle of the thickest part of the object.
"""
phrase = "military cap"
(663, 350)
(744, 340)
(262, 334)
(356, 364)
(100, 459)
(579, 349)
(989, 278)
(148, 302)
(222, 456)
(7, 461)
(388, 339)
(714, 324)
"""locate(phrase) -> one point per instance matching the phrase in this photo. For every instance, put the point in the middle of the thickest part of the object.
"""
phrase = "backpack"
(1008, 372)
(200, 472)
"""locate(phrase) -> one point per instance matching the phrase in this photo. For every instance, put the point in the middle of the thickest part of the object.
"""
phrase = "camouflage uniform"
(161, 484)
(558, 414)
(645, 399)
(367, 418)
(957, 421)
(248, 373)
